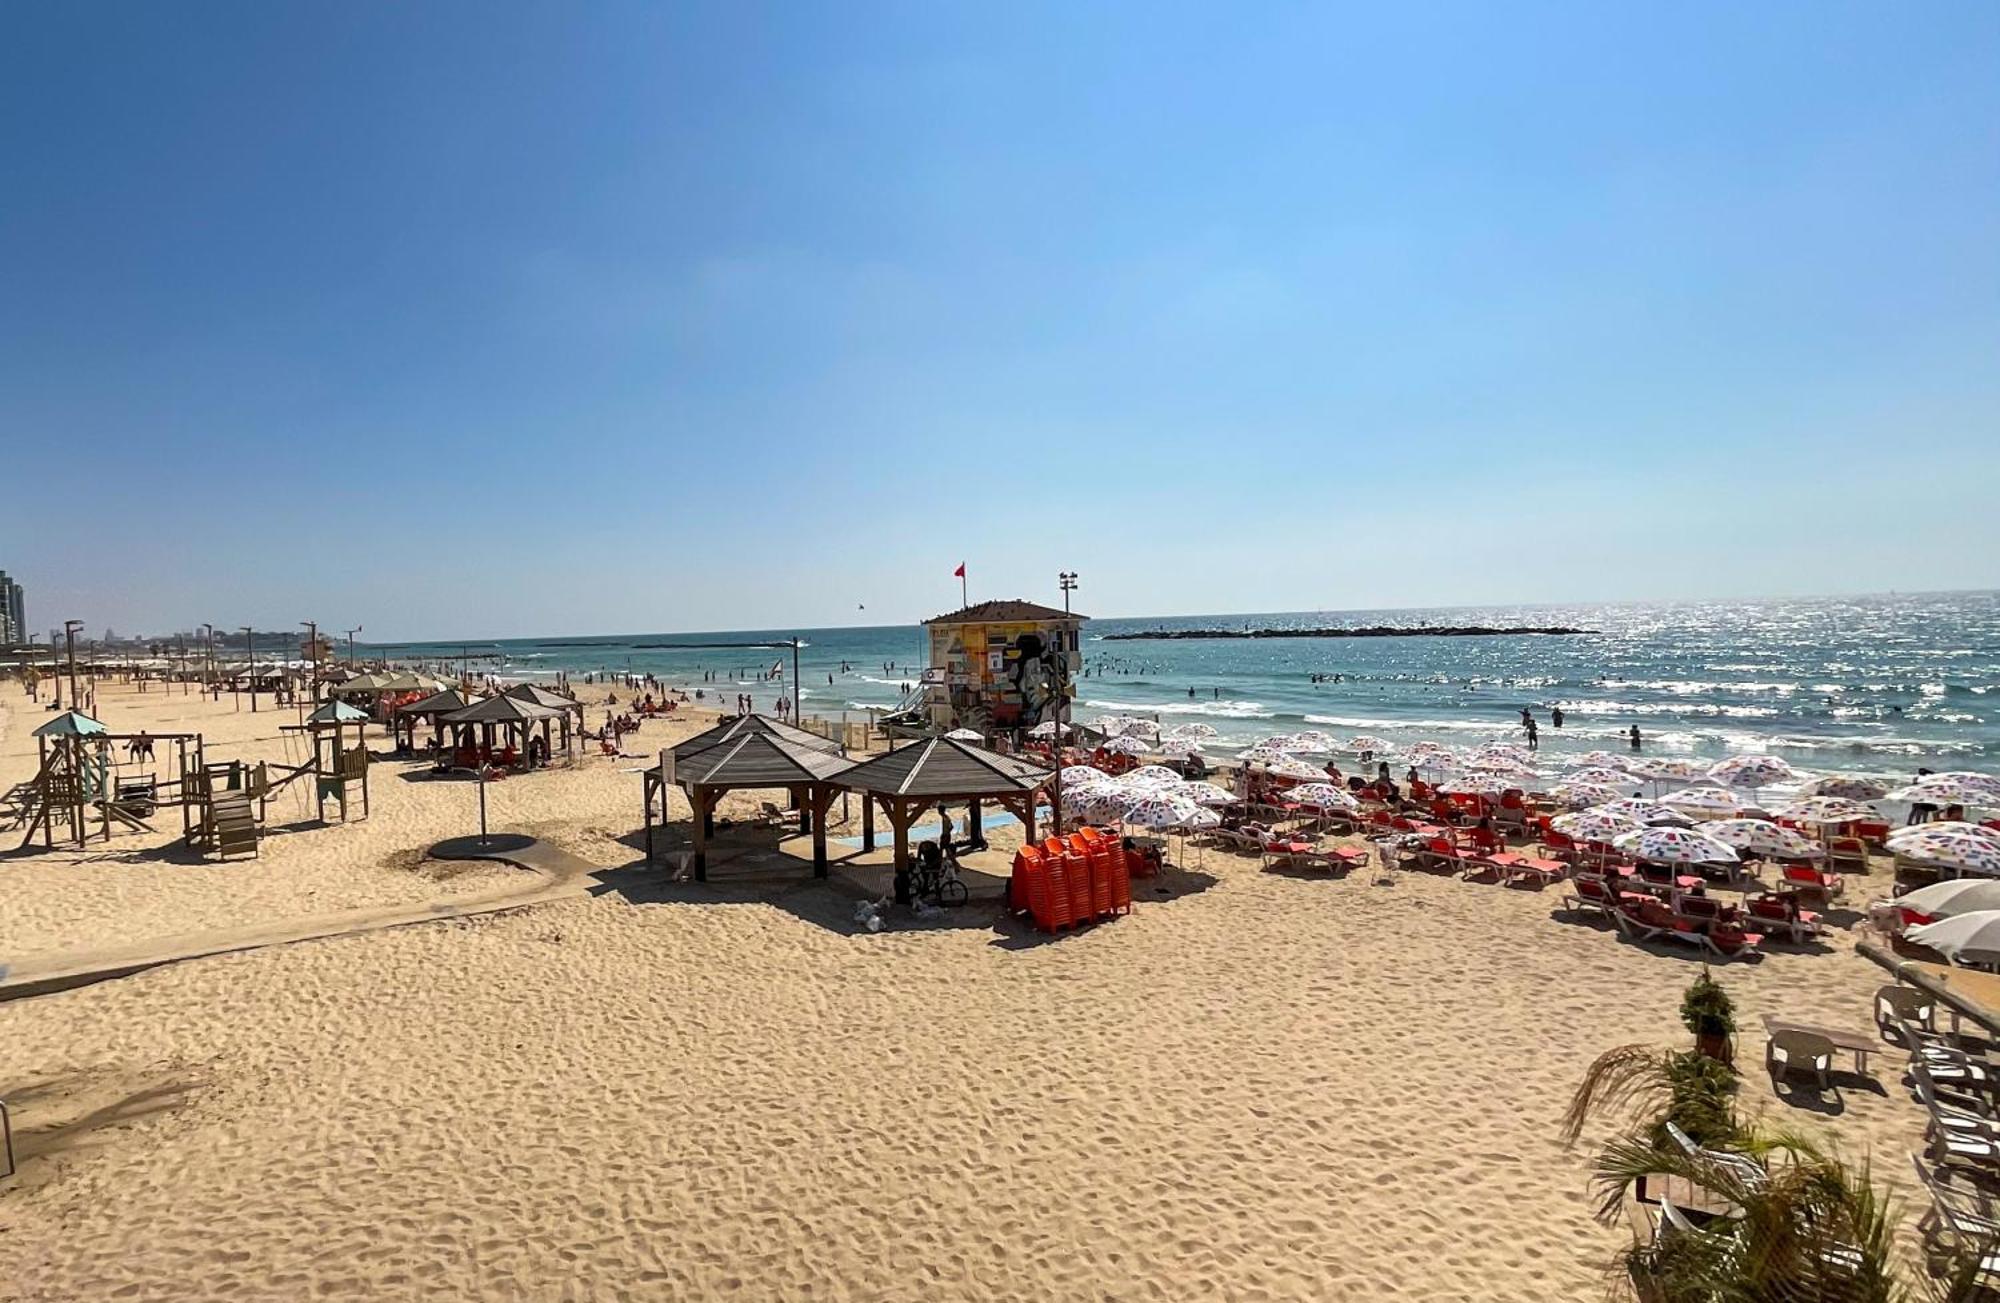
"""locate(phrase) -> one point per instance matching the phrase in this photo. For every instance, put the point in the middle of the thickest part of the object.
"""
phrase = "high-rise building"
(13, 611)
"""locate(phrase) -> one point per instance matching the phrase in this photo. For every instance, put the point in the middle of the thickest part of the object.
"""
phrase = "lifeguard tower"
(1000, 666)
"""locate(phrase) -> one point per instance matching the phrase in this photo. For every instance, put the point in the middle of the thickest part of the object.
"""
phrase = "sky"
(527, 319)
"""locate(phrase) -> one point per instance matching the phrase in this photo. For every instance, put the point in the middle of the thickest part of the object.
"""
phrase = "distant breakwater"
(1371, 631)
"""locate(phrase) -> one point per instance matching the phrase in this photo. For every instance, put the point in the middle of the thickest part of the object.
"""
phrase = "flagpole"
(963, 600)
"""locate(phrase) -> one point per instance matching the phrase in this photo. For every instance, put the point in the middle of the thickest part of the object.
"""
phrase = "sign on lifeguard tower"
(998, 666)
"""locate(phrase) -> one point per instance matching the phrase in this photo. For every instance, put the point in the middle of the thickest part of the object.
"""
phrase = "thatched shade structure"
(542, 696)
(748, 752)
(908, 781)
(513, 717)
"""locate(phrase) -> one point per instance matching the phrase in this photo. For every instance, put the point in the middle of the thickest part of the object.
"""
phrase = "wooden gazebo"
(475, 728)
(748, 752)
(542, 696)
(431, 710)
(941, 770)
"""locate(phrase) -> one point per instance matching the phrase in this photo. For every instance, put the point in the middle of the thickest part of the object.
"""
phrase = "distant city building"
(13, 611)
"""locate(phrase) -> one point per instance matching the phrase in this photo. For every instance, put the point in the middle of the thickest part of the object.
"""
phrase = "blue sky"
(478, 320)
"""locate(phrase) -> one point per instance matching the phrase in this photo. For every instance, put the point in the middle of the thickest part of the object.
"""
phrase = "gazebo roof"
(410, 681)
(758, 760)
(1013, 611)
(439, 703)
(945, 767)
(730, 729)
(359, 683)
(71, 723)
(337, 712)
(502, 710)
(541, 696)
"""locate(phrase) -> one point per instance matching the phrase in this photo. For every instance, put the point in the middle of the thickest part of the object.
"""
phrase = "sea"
(1878, 684)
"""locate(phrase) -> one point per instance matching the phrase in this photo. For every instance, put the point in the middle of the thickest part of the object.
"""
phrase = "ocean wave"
(1698, 709)
(1214, 709)
(1397, 725)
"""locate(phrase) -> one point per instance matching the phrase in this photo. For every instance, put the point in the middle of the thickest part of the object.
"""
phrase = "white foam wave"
(1213, 709)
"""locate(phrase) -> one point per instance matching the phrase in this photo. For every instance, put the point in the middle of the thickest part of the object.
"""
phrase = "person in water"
(1634, 736)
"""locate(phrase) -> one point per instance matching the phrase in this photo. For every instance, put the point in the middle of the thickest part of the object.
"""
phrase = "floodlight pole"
(1067, 580)
(250, 642)
(798, 720)
(69, 639)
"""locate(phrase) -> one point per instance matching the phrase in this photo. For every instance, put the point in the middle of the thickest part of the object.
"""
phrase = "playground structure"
(80, 782)
(82, 789)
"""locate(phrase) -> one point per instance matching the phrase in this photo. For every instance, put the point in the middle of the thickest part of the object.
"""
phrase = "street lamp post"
(250, 645)
(69, 641)
(1066, 579)
(312, 654)
(351, 662)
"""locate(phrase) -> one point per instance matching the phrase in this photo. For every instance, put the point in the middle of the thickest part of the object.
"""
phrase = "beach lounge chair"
(1748, 1171)
(1442, 853)
(1811, 882)
(1848, 853)
(1954, 1132)
(1729, 941)
(1780, 916)
(1961, 1215)
(1592, 895)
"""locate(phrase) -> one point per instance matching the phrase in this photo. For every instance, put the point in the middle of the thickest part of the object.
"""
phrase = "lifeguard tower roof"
(1005, 611)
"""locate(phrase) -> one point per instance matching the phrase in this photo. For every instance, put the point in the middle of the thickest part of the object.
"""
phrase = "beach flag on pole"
(959, 574)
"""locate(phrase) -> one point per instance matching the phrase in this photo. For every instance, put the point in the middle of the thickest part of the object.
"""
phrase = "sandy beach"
(1258, 1086)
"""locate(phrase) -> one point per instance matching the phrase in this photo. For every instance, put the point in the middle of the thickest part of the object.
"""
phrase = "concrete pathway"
(558, 875)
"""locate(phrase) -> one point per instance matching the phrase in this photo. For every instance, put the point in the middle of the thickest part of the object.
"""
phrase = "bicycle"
(935, 878)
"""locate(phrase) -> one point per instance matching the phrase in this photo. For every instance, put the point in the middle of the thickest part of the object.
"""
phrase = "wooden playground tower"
(81, 786)
(81, 783)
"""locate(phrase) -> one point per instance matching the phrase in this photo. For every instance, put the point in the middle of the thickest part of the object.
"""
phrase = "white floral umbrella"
(1208, 794)
(1675, 846)
(1201, 820)
(1520, 755)
(1598, 775)
(1937, 790)
(1325, 796)
(1763, 837)
(1578, 796)
(1827, 811)
(1703, 802)
(1603, 758)
(1595, 825)
(1198, 732)
(1435, 755)
(1990, 782)
(1085, 776)
(1126, 745)
(1152, 776)
(1261, 754)
(1047, 728)
(1752, 771)
(1492, 762)
(1105, 805)
(1666, 769)
(1637, 807)
(1367, 744)
(1847, 786)
(966, 735)
(1953, 850)
(1479, 784)
(1943, 825)
(1316, 740)
(1286, 767)
(1180, 746)
(1161, 810)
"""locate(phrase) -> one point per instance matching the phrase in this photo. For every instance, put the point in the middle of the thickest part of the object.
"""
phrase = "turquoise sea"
(1877, 684)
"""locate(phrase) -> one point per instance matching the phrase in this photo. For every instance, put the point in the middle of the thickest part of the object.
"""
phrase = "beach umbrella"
(966, 735)
(1180, 746)
(1520, 755)
(1366, 744)
(1675, 846)
(1952, 897)
(1492, 762)
(1152, 776)
(1260, 754)
(1437, 753)
(1901, 835)
(1598, 775)
(1198, 732)
(1938, 790)
(1316, 740)
(1763, 837)
(1104, 805)
(1286, 767)
(1846, 786)
(1967, 939)
(1988, 781)
(1603, 758)
(1666, 769)
(1084, 776)
(1577, 796)
(1125, 745)
(1953, 850)
(1644, 811)
(1595, 825)
(1478, 784)
(1200, 821)
(1048, 727)
(1208, 794)
(1160, 810)
(1752, 771)
(1827, 810)
(1703, 802)
(1325, 796)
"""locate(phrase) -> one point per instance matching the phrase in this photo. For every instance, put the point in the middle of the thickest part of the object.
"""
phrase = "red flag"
(960, 572)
